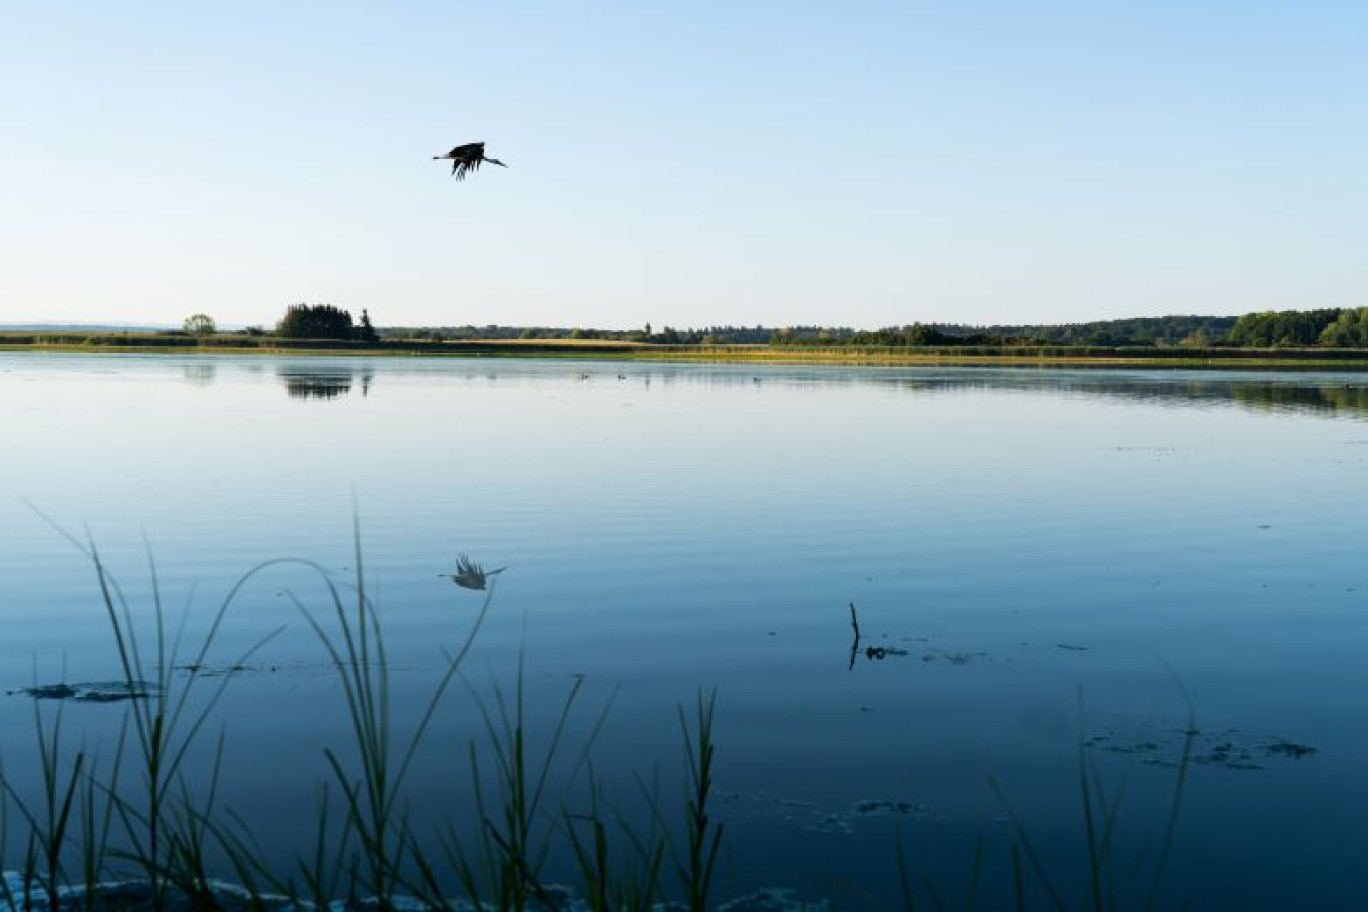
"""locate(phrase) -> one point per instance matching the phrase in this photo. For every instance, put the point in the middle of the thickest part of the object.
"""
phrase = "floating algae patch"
(809, 817)
(878, 653)
(90, 691)
(1228, 754)
(1231, 749)
(954, 658)
(204, 670)
(1284, 748)
(1248, 754)
(881, 807)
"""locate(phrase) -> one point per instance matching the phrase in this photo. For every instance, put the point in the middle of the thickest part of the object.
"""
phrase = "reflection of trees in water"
(1292, 394)
(316, 386)
(1322, 393)
(199, 373)
(1336, 399)
(1310, 392)
(1338, 393)
(306, 382)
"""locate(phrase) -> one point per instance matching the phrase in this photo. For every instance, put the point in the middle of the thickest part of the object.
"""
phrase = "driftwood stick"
(855, 643)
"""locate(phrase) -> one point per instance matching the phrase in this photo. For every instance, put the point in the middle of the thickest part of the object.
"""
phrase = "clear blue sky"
(859, 164)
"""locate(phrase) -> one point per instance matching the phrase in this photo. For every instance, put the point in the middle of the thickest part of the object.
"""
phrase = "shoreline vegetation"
(145, 831)
(153, 342)
(1318, 338)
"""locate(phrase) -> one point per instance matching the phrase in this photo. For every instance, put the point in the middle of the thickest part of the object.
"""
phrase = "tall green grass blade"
(1089, 828)
(1171, 823)
(905, 891)
(703, 835)
(50, 821)
(1018, 882)
(1024, 841)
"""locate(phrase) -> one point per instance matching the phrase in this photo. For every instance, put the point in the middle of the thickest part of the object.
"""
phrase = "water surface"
(1015, 542)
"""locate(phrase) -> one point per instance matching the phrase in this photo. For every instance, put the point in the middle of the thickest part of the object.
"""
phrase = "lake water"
(1037, 558)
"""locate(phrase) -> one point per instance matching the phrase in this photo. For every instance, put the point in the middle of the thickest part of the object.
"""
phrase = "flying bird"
(467, 158)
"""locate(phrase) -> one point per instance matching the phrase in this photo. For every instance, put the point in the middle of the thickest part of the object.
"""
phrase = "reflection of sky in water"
(1018, 533)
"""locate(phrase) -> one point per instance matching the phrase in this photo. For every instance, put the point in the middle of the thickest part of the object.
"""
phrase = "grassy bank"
(1035, 355)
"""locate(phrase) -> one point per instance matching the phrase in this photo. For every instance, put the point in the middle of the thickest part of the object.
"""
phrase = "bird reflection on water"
(470, 575)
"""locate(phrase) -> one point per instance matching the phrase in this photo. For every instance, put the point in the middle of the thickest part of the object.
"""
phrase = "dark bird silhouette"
(467, 158)
(470, 575)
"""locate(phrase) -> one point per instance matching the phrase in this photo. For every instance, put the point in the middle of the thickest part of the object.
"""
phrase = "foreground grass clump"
(145, 830)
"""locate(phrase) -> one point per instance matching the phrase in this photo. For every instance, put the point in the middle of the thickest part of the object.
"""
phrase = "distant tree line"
(1329, 328)
(1346, 328)
(668, 335)
(1325, 328)
(1199, 331)
(1149, 331)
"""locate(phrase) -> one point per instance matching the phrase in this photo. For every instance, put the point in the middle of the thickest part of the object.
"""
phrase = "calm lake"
(1037, 559)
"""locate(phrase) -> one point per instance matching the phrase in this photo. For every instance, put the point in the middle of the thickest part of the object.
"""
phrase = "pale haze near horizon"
(687, 165)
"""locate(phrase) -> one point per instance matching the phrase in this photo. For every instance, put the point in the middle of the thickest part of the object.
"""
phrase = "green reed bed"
(146, 818)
